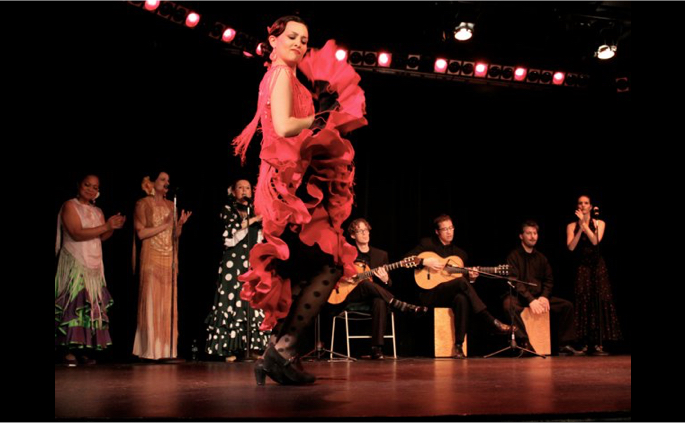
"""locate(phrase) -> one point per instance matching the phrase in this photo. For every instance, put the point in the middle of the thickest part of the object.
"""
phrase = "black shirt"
(435, 245)
(531, 267)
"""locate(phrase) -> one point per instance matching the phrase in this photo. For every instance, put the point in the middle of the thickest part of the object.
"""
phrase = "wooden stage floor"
(556, 388)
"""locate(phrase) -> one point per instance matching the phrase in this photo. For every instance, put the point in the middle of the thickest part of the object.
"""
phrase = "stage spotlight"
(370, 58)
(571, 80)
(545, 77)
(464, 31)
(216, 30)
(558, 78)
(341, 55)
(507, 73)
(520, 74)
(192, 20)
(533, 76)
(605, 52)
(179, 14)
(622, 85)
(356, 57)
(481, 70)
(228, 35)
(467, 68)
(454, 67)
(494, 72)
(151, 5)
(440, 66)
(166, 9)
(413, 61)
(384, 60)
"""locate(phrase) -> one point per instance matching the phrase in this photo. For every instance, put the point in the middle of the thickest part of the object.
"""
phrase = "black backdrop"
(129, 92)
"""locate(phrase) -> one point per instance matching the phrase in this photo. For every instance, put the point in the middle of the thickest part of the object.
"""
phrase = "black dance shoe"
(599, 350)
(377, 353)
(569, 350)
(502, 328)
(281, 370)
(459, 352)
(408, 308)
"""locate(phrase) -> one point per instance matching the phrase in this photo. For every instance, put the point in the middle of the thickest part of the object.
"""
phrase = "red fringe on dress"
(283, 166)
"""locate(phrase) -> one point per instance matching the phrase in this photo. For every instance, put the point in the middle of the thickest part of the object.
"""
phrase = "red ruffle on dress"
(284, 162)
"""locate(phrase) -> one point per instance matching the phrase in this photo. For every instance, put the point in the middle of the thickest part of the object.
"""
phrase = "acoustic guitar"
(346, 285)
(427, 278)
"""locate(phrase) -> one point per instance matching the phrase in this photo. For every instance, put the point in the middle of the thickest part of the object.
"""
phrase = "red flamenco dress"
(323, 161)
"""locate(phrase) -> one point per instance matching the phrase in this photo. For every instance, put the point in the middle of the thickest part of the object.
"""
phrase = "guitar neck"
(369, 273)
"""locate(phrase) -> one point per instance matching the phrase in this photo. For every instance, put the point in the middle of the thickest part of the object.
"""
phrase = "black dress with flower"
(594, 307)
(227, 321)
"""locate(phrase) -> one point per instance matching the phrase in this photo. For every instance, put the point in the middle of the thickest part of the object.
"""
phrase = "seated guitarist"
(458, 294)
(373, 291)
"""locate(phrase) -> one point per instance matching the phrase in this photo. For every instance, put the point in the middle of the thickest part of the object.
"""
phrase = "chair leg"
(333, 337)
(392, 323)
(347, 334)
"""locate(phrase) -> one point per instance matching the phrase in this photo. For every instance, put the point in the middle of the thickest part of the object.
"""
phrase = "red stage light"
(520, 74)
(440, 66)
(481, 70)
(558, 78)
(151, 5)
(192, 20)
(260, 49)
(384, 60)
(341, 55)
(229, 35)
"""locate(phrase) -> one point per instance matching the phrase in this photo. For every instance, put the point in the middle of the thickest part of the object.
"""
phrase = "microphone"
(246, 198)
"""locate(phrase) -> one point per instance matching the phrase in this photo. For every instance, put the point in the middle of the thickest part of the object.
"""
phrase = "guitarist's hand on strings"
(381, 274)
(433, 264)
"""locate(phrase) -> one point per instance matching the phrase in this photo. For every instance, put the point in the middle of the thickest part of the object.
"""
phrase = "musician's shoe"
(569, 350)
(408, 308)
(599, 350)
(459, 354)
(377, 353)
(502, 328)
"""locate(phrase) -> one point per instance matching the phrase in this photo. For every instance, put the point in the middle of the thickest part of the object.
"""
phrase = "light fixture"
(464, 31)
(605, 52)
(413, 61)
(384, 60)
(454, 67)
(440, 65)
(341, 55)
(356, 57)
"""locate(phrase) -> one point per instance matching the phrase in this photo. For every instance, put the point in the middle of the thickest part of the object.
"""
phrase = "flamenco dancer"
(304, 192)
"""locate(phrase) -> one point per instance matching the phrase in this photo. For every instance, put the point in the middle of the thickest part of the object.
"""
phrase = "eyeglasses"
(361, 231)
(451, 228)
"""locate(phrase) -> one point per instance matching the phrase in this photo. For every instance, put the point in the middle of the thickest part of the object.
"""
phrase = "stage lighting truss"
(387, 62)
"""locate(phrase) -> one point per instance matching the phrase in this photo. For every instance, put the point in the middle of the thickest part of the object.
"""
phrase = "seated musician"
(372, 291)
(457, 293)
(529, 265)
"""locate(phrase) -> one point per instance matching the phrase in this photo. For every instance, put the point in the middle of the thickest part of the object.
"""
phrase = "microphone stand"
(595, 212)
(512, 343)
(174, 279)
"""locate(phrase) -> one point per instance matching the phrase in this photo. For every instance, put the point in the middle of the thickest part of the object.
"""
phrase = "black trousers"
(379, 297)
(459, 295)
(561, 316)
